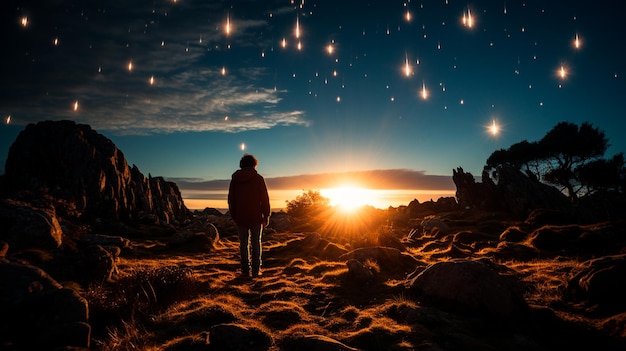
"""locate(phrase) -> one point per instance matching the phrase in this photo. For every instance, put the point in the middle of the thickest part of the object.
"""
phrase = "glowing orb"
(347, 198)
(242, 146)
(494, 128)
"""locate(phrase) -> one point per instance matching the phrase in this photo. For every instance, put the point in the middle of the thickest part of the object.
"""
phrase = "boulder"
(389, 259)
(232, 336)
(87, 175)
(600, 282)
(34, 304)
(468, 286)
(23, 226)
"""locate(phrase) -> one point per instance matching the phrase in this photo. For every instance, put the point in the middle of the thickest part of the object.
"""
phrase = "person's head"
(248, 161)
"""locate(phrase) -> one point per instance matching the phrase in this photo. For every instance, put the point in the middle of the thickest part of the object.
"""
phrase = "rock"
(317, 343)
(87, 175)
(90, 264)
(513, 234)
(431, 223)
(387, 258)
(473, 195)
(322, 247)
(514, 193)
(601, 282)
(23, 226)
(104, 240)
(554, 238)
(36, 305)
(4, 248)
(200, 234)
(473, 287)
(359, 273)
(238, 337)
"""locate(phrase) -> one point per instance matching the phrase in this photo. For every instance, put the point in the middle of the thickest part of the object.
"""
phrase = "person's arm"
(265, 201)
(231, 200)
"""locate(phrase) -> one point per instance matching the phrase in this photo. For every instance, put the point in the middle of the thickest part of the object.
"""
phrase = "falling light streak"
(76, 105)
(468, 19)
(223, 70)
(562, 72)
(299, 46)
(577, 42)
(330, 49)
(151, 80)
(7, 120)
(424, 92)
(408, 16)
(227, 27)
(55, 41)
(407, 66)
(24, 21)
(130, 66)
(283, 43)
(338, 98)
(297, 30)
(242, 146)
(505, 8)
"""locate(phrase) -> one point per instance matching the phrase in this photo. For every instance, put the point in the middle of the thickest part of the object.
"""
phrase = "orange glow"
(577, 42)
(494, 128)
(348, 198)
(130, 66)
(223, 71)
(76, 105)
(24, 21)
(283, 43)
(408, 16)
(330, 49)
(297, 30)
(468, 19)
(424, 92)
(151, 80)
(407, 66)
(562, 72)
(227, 27)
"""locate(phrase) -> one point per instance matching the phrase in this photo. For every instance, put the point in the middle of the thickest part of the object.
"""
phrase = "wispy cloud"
(189, 91)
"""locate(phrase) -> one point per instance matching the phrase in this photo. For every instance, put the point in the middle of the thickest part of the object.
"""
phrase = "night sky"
(181, 87)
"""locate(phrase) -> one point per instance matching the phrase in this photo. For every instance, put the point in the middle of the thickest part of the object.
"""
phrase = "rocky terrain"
(96, 256)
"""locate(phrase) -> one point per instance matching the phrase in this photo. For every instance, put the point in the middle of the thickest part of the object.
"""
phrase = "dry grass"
(179, 296)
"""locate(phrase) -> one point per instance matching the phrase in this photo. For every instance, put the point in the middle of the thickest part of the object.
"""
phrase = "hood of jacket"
(244, 175)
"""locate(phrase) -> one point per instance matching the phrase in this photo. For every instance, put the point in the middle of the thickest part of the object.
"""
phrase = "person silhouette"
(249, 206)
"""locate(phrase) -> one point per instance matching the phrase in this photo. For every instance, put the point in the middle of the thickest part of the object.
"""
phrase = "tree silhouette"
(568, 157)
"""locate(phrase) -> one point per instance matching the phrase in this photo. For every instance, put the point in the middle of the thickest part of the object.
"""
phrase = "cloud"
(184, 54)
(373, 179)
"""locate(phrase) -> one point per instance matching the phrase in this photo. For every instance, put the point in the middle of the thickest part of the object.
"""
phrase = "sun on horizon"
(348, 198)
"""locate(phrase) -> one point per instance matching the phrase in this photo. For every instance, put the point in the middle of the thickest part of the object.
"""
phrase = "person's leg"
(244, 248)
(257, 251)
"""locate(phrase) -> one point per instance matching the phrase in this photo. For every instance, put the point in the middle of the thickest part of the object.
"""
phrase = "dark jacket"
(248, 201)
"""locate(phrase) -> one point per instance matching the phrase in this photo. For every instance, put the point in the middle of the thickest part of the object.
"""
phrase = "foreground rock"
(38, 312)
(471, 287)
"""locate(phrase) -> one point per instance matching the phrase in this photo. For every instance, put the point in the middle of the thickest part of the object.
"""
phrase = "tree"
(568, 157)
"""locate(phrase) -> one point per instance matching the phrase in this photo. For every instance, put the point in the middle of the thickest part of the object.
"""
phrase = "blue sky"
(179, 95)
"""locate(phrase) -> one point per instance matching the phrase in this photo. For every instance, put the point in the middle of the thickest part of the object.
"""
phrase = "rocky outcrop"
(87, 175)
(23, 226)
(514, 193)
(600, 282)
